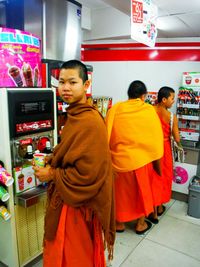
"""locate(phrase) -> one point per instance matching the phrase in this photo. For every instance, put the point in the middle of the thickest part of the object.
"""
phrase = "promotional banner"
(20, 59)
(143, 22)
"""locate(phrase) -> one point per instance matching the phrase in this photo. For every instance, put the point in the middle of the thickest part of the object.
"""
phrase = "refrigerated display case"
(188, 114)
(101, 103)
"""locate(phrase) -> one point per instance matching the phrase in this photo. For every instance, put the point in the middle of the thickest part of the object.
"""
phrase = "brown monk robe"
(80, 219)
(80, 198)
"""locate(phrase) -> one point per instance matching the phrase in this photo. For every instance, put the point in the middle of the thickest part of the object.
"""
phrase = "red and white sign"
(143, 22)
(191, 79)
(137, 12)
(33, 126)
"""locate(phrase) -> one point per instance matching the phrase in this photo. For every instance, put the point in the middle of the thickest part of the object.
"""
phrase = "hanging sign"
(143, 22)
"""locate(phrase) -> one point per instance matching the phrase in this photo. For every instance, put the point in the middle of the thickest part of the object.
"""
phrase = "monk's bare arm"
(175, 130)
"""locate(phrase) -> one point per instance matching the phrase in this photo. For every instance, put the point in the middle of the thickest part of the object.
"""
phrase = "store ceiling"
(175, 18)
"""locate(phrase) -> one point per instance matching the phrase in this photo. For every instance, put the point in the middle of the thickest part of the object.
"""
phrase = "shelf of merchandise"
(188, 114)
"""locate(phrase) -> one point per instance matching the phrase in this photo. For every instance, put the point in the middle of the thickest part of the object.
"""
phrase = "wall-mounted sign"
(20, 58)
(143, 22)
(191, 79)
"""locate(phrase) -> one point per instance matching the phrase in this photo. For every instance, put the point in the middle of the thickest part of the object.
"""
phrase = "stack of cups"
(7, 180)
(5, 177)
(4, 213)
(4, 196)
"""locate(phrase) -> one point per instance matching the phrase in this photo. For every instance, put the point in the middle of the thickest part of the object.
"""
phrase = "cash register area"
(173, 242)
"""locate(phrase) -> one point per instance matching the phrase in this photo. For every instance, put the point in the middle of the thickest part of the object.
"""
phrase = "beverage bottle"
(95, 103)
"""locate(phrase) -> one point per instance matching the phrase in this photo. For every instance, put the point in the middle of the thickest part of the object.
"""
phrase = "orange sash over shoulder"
(135, 135)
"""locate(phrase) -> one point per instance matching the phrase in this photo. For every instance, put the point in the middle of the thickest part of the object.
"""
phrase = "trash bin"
(194, 197)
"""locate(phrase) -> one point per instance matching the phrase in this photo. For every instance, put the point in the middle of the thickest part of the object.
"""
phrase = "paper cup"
(4, 196)
(6, 178)
(39, 159)
(4, 213)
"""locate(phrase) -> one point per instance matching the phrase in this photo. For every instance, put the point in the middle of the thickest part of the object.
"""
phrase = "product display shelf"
(188, 114)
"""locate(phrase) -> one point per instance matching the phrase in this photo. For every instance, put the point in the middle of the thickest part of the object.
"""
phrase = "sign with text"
(143, 22)
(20, 58)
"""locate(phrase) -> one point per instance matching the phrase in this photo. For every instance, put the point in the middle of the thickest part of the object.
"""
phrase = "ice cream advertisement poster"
(143, 22)
(191, 79)
(20, 58)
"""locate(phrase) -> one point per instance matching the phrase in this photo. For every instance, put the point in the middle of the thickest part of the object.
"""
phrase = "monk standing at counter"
(80, 217)
(136, 140)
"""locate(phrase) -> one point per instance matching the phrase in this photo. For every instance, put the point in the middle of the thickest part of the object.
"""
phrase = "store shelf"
(194, 106)
(188, 117)
(31, 197)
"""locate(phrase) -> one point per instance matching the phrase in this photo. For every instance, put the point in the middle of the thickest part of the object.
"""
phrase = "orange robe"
(136, 139)
(67, 249)
(166, 164)
(156, 182)
(133, 194)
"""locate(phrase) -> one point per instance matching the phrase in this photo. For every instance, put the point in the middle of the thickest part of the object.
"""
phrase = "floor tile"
(179, 210)
(178, 235)
(150, 254)
(124, 245)
(174, 242)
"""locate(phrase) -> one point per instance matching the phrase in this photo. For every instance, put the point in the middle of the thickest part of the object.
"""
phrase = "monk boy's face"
(170, 100)
(71, 87)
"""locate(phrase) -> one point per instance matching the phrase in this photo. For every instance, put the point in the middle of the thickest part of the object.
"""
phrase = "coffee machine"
(28, 124)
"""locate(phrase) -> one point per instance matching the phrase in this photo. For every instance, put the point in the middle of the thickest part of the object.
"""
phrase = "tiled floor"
(174, 242)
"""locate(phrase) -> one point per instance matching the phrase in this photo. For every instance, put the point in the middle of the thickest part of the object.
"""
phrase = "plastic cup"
(4, 213)
(39, 159)
(5, 177)
(4, 196)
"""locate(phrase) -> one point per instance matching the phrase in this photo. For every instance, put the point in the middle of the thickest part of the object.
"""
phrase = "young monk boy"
(166, 96)
(136, 140)
(80, 213)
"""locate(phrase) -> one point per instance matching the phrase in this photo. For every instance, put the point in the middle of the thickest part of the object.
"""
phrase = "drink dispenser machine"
(27, 125)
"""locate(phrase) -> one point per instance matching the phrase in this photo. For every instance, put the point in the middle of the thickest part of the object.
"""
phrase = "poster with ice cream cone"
(20, 57)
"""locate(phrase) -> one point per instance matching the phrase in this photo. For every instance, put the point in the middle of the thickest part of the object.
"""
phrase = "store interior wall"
(105, 23)
(113, 78)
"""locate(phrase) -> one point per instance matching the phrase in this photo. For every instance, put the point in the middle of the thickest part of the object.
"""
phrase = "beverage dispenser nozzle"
(47, 149)
(29, 152)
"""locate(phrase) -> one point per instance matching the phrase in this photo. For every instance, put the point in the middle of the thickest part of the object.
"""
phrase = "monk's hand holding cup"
(43, 173)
